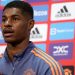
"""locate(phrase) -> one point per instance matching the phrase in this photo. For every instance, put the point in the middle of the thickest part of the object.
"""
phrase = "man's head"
(17, 21)
(23, 6)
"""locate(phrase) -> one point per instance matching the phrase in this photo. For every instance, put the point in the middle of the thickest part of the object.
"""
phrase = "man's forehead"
(11, 11)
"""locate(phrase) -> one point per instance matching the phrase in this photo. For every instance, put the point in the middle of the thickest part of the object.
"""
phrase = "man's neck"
(14, 49)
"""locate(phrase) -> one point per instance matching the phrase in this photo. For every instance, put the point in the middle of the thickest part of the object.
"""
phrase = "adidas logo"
(35, 33)
(63, 12)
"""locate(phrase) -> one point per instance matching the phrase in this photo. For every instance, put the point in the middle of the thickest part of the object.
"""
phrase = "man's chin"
(12, 42)
(9, 40)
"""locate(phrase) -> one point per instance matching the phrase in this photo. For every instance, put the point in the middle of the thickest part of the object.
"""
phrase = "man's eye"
(15, 19)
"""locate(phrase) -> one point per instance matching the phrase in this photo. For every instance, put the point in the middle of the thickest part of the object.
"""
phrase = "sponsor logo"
(36, 1)
(68, 70)
(41, 13)
(41, 46)
(59, 30)
(37, 33)
(61, 50)
(54, 31)
(29, 72)
(63, 11)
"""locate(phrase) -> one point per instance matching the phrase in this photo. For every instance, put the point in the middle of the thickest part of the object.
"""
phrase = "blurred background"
(54, 30)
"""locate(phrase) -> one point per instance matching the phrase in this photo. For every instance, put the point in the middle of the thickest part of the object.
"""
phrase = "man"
(21, 57)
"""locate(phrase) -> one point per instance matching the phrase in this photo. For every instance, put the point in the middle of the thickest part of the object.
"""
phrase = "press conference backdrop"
(54, 30)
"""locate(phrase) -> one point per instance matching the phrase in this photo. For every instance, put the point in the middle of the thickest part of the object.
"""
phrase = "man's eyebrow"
(15, 15)
(11, 16)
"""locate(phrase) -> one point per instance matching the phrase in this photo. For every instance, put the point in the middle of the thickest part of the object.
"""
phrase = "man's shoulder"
(43, 55)
(49, 60)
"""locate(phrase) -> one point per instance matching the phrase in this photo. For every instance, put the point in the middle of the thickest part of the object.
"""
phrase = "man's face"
(15, 26)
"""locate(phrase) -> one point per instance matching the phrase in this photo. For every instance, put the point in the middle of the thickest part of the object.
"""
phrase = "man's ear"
(30, 24)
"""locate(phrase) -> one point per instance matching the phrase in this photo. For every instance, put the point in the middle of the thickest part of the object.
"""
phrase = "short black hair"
(22, 5)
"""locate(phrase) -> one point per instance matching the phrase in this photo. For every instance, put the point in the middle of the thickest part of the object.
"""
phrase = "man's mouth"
(7, 32)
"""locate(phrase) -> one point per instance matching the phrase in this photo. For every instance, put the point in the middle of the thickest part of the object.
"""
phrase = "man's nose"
(8, 23)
